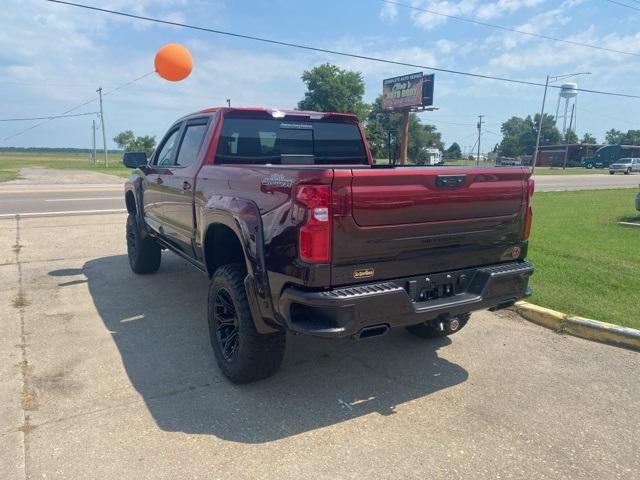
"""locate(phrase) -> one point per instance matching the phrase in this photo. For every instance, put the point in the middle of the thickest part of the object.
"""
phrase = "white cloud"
(429, 21)
(491, 10)
(389, 12)
(465, 8)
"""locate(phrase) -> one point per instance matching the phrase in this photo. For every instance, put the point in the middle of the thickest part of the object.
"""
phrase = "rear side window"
(289, 142)
(190, 146)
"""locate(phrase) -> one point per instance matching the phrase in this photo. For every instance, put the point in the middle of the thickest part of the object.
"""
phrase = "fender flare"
(243, 218)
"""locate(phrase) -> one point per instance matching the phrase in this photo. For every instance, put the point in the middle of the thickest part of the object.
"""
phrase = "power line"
(514, 30)
(624, 5)
(436, 121)
(66, 112)
(46, 118)
(598, 114)
(329, 51)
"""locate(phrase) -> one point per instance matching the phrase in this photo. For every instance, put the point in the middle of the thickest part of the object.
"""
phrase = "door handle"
(159, 181)
(186, 185)
(450, 180)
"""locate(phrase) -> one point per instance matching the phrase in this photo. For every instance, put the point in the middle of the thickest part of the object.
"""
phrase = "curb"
(580, 327)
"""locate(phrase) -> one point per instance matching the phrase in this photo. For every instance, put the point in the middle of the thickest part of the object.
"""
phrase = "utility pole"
(404, 138)
(229, 102)
(566, 150)
(104, 135)
(93, 143)
(479, 138)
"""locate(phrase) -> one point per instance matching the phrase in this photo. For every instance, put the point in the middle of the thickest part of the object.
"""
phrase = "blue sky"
(53, 57)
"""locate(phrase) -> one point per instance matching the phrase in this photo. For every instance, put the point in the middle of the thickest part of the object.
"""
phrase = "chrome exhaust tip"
(373, 331)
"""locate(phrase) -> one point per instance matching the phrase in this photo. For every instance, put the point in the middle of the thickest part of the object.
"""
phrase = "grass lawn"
(11, 163)
(586, 264)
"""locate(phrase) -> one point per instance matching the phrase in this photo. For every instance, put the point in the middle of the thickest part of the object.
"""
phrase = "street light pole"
(550, 79)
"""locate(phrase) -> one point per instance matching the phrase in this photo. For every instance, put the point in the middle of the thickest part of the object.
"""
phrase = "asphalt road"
(57, 199)
(107, 374)
(72, 199)
(551, 183)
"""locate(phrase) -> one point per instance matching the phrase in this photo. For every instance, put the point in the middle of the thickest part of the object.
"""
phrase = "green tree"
(454, 151)
(589, 139)
(130, 143)
(124, 139)
(332, 89)
(379, 123)
(632, 137)
(519, 135)
(143, 144)
(570, 137)
(614, 136)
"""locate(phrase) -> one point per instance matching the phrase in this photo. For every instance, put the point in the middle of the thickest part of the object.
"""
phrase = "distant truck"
(434, 156)
(298, 231)
(607, 155)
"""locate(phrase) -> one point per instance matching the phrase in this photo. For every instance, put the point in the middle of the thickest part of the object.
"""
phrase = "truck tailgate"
(410, 221)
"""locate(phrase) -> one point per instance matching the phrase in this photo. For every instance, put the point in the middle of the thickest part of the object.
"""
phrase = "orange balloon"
(173, 62)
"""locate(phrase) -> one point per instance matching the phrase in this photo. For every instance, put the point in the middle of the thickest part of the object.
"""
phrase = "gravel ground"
(47, 176)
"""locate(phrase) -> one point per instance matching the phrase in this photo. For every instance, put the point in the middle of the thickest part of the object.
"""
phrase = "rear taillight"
(528, 218)
(315, 235)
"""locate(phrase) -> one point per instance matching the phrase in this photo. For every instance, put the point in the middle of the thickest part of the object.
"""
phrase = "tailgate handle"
(450, 180)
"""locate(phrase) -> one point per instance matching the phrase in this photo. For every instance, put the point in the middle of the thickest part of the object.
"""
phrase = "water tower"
(568, 92)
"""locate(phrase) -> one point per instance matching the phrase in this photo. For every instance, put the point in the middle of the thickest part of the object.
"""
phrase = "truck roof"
(280, 112)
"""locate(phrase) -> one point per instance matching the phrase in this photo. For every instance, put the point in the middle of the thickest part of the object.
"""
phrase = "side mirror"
(134, 159)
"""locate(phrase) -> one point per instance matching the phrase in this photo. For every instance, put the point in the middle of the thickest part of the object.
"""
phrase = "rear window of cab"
(290, 142)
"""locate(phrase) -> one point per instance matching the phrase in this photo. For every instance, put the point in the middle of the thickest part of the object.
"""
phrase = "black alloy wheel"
(226, 325)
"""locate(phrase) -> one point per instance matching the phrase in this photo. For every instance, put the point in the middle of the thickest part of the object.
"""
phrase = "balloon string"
(129, 83)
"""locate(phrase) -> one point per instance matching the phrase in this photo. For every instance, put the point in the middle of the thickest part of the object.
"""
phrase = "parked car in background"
(625, 165)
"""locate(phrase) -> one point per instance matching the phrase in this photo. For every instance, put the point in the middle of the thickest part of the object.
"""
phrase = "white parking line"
(68, 212)
(82, 199)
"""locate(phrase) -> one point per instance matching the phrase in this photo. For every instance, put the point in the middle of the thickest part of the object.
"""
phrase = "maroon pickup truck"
(298, 230)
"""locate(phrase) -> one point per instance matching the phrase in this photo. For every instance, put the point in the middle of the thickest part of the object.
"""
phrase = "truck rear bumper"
(346, 311)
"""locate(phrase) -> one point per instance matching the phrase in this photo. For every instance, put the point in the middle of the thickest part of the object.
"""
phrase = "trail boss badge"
(363, 273)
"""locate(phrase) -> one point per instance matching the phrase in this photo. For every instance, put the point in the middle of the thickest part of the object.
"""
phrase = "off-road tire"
(255, 356)
(432, 329)
(143, 251)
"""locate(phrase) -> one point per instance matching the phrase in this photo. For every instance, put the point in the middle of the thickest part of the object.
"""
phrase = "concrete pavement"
(110, 375)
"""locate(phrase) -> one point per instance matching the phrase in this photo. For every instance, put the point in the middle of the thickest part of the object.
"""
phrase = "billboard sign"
(414, 90)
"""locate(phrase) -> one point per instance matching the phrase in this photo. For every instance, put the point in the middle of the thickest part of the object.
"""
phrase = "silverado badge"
(363, 273)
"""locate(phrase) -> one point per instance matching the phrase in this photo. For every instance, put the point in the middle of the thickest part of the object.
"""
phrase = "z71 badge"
(363, 273)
